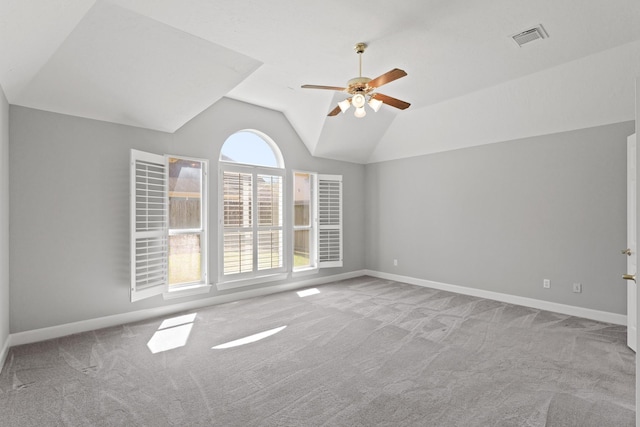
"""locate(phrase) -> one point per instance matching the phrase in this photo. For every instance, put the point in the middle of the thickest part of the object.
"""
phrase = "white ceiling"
(158, 63)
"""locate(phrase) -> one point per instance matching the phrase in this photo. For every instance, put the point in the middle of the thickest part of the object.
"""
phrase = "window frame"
(202, 231)
(160, 284)
(312, 227)
(255, 276)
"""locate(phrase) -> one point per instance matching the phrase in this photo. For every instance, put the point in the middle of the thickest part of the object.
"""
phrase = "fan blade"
(391, 101)
(339, 89)
(387, 77)
(335, 111)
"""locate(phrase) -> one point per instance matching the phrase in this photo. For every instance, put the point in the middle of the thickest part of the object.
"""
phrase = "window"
(304, 221)
(186, 226)
(259, 240)
(252, 222)
(168, 225)
(317, 221)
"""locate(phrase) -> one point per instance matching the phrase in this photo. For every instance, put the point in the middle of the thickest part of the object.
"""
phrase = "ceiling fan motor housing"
(359, 85)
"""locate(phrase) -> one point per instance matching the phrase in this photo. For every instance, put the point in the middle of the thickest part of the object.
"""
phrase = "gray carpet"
(362, 352)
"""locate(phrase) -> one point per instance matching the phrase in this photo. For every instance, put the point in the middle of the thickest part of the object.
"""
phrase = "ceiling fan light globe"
(360, 112)
(344, 105)
(358, 100)
(375, 104)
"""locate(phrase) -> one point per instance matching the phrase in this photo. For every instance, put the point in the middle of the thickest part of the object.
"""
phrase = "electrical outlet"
(395, 262)
(577, 287)
(546, 283)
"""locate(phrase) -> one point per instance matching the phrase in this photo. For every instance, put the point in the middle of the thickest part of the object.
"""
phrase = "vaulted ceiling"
(158, 63)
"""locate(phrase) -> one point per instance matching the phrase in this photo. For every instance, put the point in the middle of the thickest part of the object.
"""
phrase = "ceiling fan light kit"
(360, 112)
(362, 90)
(358, 100)
(375, 104)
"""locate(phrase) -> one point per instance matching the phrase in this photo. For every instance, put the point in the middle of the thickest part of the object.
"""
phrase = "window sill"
(232, 284)
(305, 272)
(187, 291)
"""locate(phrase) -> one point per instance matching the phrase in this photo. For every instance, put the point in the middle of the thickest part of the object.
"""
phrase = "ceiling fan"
(362, 88)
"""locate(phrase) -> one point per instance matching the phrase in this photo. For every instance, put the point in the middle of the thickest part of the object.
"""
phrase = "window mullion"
(255, 220)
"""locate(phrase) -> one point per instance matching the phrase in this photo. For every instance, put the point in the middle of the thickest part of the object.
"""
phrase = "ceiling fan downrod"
(360, 47)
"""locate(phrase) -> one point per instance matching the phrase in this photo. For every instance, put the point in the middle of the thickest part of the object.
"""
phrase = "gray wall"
(505, 216)
(69, 208)
(499, 217)
(4, 219)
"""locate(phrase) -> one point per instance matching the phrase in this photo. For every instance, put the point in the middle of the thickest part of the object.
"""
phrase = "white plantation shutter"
(270, 239)
(329, 221)
(149, 225)
(238, 222)
(252, 223)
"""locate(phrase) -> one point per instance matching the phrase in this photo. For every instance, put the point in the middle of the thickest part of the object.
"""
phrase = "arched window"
(251, 208)
(251, 147)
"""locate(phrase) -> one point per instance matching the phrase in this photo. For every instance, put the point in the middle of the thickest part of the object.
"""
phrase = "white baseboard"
(4, 351)
(587, 313)
(44, 334)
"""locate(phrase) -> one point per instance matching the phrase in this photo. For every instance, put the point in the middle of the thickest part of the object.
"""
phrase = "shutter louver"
(330, 220)
(238, 222)
(149, 224)
(270, 222)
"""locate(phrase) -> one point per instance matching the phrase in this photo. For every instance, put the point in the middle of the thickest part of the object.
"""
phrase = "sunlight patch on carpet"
(172, 333)
(249, 339)
(308, 292)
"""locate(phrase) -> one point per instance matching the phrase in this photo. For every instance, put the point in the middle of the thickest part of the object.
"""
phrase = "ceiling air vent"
(532, 34)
